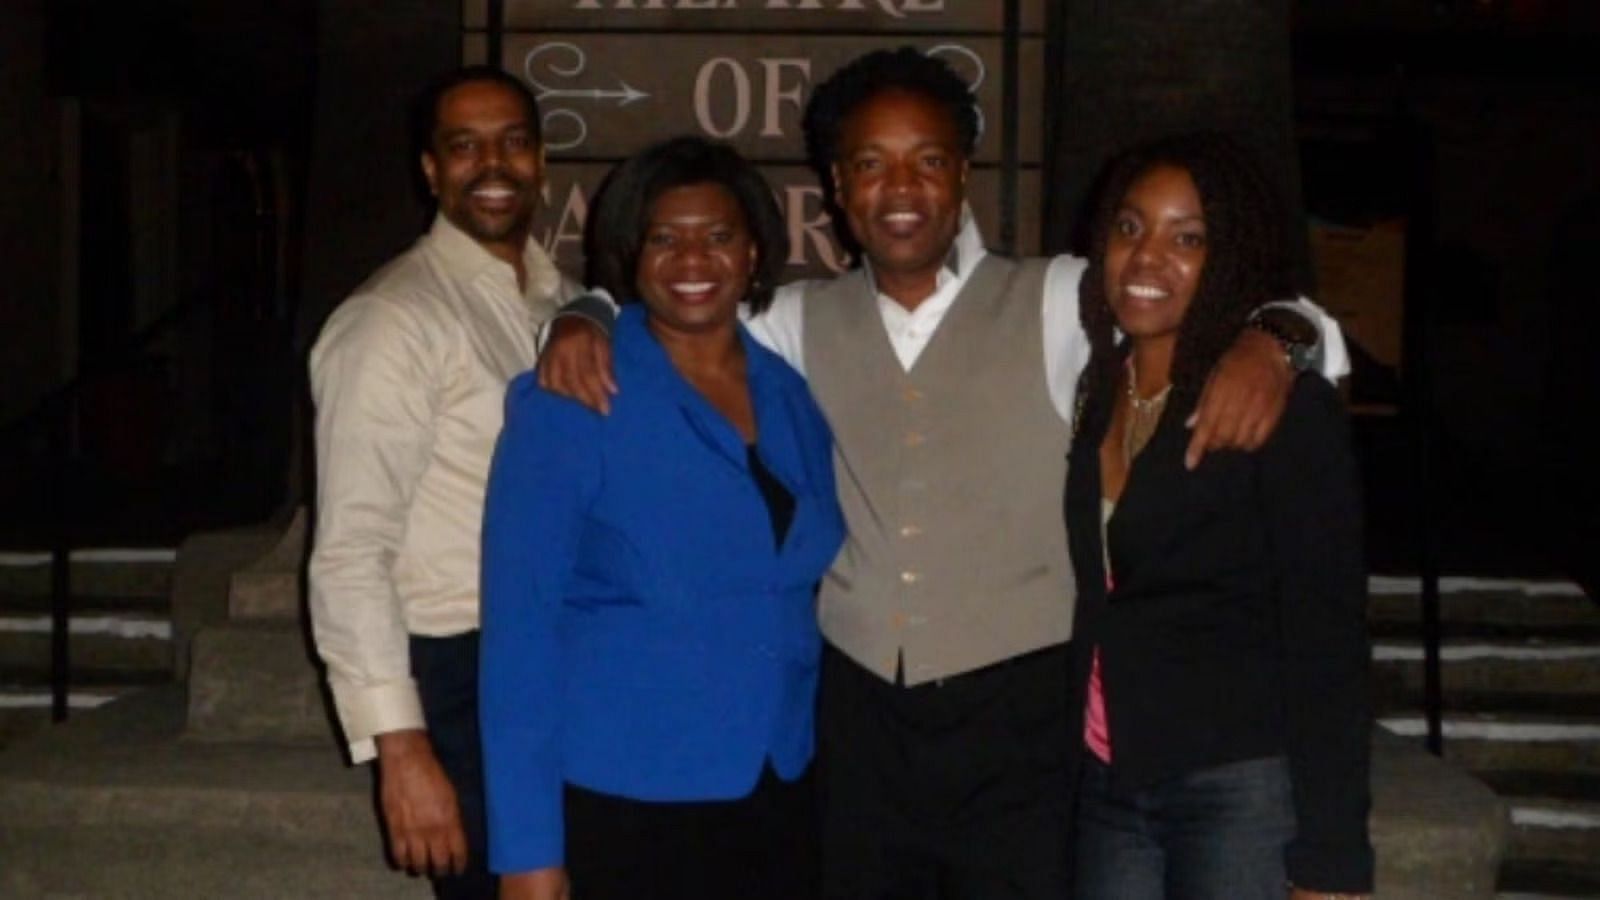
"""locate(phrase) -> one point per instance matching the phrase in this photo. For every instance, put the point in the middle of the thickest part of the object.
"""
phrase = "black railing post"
(1418, 397)
(60, 566)
(1428, 563)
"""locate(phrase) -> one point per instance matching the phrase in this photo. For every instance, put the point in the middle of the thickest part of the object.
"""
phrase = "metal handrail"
(53, 416)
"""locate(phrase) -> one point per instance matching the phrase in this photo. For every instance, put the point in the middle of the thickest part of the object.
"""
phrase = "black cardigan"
(1237, 626)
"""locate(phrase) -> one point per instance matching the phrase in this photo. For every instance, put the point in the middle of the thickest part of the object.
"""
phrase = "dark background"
(190, 186)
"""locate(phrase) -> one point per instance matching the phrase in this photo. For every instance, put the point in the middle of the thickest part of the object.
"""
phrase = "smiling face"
(1155, 253)
(484, 165)
(695, 260)
(900, 177)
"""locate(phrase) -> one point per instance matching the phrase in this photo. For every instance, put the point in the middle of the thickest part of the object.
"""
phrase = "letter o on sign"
(708, 79)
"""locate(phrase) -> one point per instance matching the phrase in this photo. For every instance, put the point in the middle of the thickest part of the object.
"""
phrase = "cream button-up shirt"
(409, 377)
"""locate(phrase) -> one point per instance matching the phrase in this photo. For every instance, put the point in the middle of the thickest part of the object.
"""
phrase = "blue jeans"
(1214, 834)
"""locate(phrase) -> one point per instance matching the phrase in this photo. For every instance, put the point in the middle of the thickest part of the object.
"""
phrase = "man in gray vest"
(948, 376)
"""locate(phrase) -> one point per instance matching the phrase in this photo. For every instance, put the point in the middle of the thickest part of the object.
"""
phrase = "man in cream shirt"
(409, 378)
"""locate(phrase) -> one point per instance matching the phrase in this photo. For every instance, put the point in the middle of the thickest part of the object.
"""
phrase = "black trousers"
(759, 847)
(955, 790)
(446, 670)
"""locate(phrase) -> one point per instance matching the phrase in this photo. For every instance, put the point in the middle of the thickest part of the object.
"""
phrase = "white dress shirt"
(409, 379)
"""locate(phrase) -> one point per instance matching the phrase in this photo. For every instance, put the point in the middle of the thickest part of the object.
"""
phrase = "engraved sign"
(613, 76)
(600, 93)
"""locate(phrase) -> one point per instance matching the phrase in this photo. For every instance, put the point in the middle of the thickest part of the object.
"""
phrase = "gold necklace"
(1143, 417)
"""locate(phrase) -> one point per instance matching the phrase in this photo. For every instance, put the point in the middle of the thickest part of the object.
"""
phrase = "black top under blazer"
(1237, 626)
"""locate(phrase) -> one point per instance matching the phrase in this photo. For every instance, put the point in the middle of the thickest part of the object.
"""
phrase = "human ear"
(430, 171)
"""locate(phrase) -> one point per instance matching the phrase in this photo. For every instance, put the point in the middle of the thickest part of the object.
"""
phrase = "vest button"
(910, 577)
(910, 531)
(914, 439)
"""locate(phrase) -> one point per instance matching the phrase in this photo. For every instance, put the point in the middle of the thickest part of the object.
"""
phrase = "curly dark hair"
(622, 212)
(1248, 259)
(901, 69)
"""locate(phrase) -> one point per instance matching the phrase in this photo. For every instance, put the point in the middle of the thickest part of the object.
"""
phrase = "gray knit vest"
(950, 476)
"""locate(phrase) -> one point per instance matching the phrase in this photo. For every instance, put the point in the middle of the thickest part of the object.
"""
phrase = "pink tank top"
(1096, 735)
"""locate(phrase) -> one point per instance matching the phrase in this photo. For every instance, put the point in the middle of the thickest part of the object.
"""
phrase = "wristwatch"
(1293, 331)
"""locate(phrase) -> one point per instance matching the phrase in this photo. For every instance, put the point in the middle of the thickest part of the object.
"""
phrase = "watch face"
(1299, 357)
(1290, 325)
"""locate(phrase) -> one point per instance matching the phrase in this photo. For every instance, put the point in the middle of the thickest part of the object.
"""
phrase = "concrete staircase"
(120, 637)
(228, 784)
(232, 784)
(1521, 679)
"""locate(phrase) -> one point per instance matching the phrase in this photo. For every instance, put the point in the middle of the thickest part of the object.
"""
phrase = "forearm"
(361, 638)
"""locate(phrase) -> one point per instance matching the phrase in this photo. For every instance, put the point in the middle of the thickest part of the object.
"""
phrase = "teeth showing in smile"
(493, 193)
(693, 287)
(902, 218)
(1145, 292)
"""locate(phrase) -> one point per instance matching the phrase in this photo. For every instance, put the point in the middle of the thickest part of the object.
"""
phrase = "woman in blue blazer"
(650, 644)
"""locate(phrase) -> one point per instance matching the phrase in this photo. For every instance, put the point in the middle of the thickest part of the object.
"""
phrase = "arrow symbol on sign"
(567, 63)
(624, 95)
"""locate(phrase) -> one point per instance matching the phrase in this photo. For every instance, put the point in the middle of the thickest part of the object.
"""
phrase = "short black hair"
(901, 69)
(425, 108)
(1248, 256)
(622, 212)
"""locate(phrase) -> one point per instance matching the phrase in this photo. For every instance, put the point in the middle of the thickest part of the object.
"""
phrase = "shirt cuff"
(594, 305)
(366, 711)
(1329, 356)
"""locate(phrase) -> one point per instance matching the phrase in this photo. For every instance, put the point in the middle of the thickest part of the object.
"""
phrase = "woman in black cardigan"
(1220, 625)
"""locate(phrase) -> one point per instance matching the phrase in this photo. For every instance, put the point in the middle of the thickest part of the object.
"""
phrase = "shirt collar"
(468, 260)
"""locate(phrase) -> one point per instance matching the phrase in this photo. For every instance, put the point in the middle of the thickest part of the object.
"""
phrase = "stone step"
(1508, 741)
(1483, 601)
(256, 681)
(117, 804)
(1555, 816)
(138, 863)
(203, 585)
(1482, 666)
(1555, 828)
(25, 710)
(94, 572)
(120, 641)
(26, 605)
(1410, 632)
(1399, 702)
(1548, 880)
(1438, 832)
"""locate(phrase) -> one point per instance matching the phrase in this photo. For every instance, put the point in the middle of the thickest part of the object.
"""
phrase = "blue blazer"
(642, 634)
